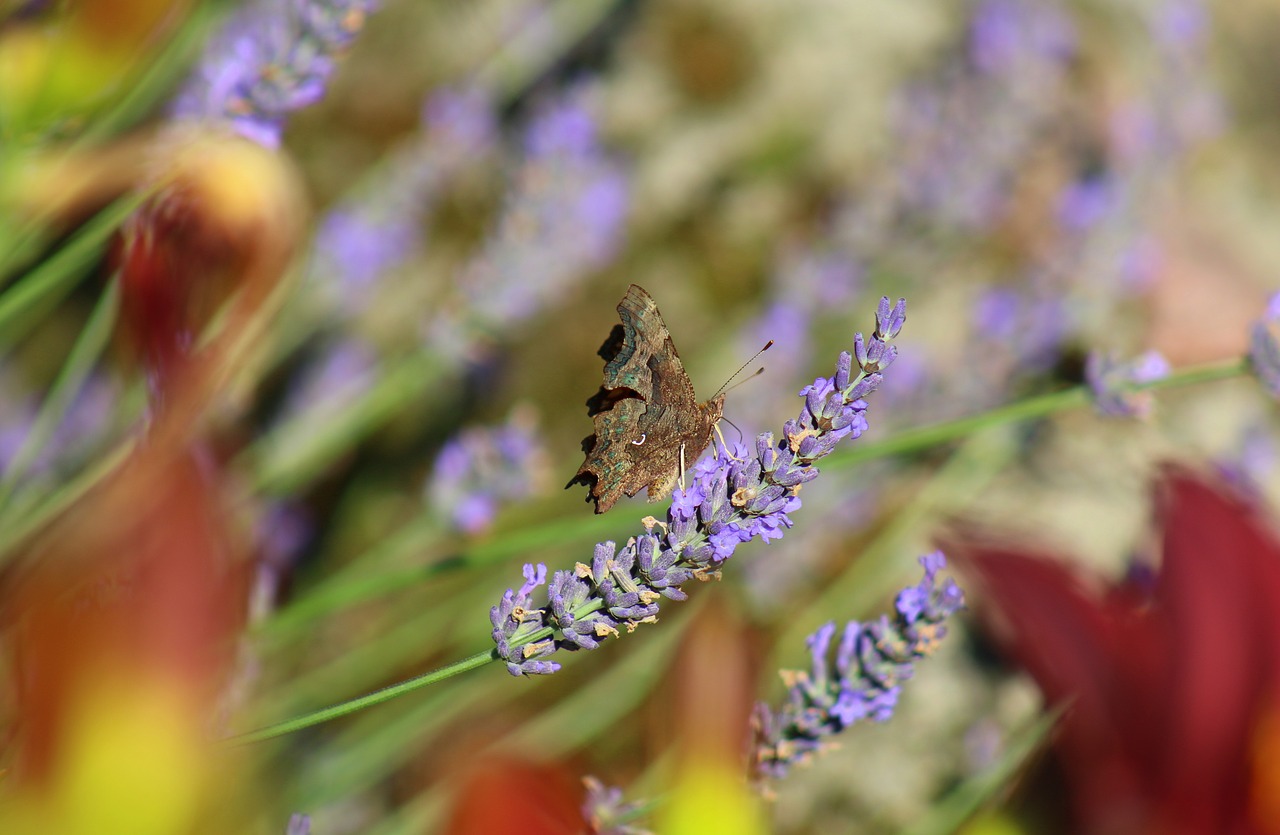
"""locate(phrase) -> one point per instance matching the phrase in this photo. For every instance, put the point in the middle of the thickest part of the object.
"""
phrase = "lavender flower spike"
(606, 813)
(732, 497)
(1264, 347)
(299, 824)
(861, 681)
(1112, 383)
(484, 467)
(273, 57)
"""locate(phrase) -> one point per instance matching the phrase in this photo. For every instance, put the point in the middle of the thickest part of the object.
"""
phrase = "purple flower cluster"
(272, 58)
(1112, 382)
(362, 240)
(342, 371)
(563, 218)
(731, 499)
(482, 467)
(299, 824)
(864, 679)
(806, 283)
(1264, 347)
(85, 424)
(964, 135)
(605, 812)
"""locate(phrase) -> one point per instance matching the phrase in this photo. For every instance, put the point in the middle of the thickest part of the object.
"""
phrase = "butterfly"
(647, 418)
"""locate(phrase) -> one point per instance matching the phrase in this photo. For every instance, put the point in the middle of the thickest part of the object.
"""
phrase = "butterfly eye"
(643, 435)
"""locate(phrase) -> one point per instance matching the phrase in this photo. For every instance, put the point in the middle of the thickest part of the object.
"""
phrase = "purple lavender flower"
(964, 134)
(1112, 382)
(1086, 203)
(563, 218)
(1264, 347)
(283, 530)
(807, 282)
(481, 468)
(520, 630)
(606, 813)
(272, 58)
(84, 424)
(343, 371)
(1253, 461)
(863, 679)
(1180, 24)
(731, 498)
(299, 824)
(358, 248)
(1007, 35)
(367, 236)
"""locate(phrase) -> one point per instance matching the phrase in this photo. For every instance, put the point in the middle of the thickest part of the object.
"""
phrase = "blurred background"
(342, 337)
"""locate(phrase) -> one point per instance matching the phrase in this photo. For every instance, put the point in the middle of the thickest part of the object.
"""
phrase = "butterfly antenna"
(734, 376)
(731, 423)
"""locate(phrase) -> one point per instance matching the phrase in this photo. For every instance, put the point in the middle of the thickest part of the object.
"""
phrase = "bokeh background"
(374, 441)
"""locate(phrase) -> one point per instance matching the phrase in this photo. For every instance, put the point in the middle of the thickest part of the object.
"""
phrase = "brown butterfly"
(647, 417)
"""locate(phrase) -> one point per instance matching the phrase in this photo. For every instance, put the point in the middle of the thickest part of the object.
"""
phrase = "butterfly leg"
(725, 444)
(682, 468)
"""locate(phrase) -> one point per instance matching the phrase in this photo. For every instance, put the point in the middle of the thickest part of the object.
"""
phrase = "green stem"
(317, 717)
(141, 91)
(24, 519)
(363, 580)
(22, 305)
(298, 451)
(924, 437)
(84, 354)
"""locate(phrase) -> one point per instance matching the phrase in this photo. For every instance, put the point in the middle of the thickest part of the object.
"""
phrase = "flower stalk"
(732, 498)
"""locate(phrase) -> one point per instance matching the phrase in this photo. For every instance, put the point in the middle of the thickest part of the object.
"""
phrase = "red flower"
(223, 220)
(1170, 684)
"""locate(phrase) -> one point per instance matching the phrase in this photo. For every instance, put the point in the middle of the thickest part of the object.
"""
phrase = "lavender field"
(306, 307)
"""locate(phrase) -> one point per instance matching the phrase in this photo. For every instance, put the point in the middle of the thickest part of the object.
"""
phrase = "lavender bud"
(844, 369)
(889, 322)
(1264, 347)
(1113, 383)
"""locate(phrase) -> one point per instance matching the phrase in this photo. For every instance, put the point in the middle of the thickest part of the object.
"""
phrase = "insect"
(647, 418)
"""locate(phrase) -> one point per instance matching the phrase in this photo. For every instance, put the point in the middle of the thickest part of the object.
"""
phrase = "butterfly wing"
(638, 410)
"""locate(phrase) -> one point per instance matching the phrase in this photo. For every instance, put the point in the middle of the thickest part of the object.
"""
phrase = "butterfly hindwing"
(646, 413)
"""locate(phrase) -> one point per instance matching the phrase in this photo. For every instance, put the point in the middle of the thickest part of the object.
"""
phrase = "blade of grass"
(24, 519)
(360, 582)
(864, 582)
(70, 381)
(950, 813)
(23, 305)
(147, 87)
(297, 452)
(365, 753)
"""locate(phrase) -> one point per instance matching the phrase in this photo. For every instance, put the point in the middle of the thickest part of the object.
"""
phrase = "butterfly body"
(648, 421)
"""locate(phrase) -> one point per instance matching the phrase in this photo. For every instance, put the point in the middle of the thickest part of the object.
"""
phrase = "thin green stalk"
(949, 814)
(363, 578)
(23, 305)
(146, 88)
(857, 589)
(377, 697)
(70, 380)
(24, 519)
(530, 54)
(1196, 374)
(398, 644)
(596, 706)
(925, 437)
(357, 583)
(297, 452)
